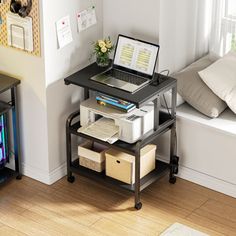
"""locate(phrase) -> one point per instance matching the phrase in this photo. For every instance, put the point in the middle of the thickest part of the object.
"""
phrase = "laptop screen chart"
(126, 55)
(136, 55)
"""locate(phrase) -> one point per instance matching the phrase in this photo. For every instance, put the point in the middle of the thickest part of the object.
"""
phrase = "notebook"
(133, 65)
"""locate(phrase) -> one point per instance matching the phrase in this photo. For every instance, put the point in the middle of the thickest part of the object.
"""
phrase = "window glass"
(230, 10)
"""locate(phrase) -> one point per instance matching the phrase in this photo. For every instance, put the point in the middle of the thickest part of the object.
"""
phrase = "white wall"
(59, 63)
(133, 18)
(45, 102)
(32, 103)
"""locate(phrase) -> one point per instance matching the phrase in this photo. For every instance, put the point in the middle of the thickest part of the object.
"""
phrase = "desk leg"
(69, 122)
(86, 93)
(70, 177)
(157, 105)
(173, 101)
(174, 160)
(173, 128)
(138, 204)
(16, 136)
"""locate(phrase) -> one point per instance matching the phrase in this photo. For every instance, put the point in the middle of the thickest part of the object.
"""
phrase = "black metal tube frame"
(139, 144)
(16, 135)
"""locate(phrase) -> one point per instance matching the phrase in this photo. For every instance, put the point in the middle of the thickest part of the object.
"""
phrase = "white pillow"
(220, 77)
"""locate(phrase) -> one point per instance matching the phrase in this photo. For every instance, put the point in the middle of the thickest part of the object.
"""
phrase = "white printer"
(132, 125)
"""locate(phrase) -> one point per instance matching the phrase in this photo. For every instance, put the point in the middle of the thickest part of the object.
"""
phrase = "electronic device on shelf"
(133, 66)
(130, 126)
(3, 141)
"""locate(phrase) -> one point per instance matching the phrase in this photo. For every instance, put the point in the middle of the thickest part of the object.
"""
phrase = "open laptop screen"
(136, 55)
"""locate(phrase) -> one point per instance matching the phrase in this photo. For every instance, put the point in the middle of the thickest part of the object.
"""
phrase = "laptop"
(133, 65)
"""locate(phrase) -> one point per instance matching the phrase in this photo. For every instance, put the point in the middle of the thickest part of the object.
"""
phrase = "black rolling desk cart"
(8, 83)
(163, 121)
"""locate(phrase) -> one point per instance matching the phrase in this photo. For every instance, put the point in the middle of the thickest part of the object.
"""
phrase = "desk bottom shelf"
(161, 169)
(6, 174)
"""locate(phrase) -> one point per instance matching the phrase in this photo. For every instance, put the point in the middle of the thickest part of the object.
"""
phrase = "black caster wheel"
(175, 170)
(138, 206)
(19, 177)
(172, 180)
(71, 179)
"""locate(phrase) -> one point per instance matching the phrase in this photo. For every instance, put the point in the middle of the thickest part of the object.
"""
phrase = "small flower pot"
(103, 61)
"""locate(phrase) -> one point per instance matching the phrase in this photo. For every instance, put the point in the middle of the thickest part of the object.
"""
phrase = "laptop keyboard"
(128, 77)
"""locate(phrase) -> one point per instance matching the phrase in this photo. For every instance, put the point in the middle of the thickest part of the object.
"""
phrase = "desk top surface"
(81, 78)
(7, 82)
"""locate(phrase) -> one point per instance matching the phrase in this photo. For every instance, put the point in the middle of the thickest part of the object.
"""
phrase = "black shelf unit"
(163, 122)
(4, 107)
(8, 83)
(6, 174)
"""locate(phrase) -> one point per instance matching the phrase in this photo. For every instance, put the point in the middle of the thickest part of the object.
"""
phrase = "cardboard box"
(92, 155)
(121, 166)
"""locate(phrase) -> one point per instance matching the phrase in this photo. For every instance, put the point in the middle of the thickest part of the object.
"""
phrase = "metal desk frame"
(134, 149)
(9, 83)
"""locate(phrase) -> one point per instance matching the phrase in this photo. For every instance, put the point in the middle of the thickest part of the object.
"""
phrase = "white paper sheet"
(64, 34)
(86, 18)
(103, 129)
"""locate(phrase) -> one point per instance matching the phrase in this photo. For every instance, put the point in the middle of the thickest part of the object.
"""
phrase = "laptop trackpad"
(115, 82)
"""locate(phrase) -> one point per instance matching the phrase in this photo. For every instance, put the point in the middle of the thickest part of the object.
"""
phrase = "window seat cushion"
(226, 122)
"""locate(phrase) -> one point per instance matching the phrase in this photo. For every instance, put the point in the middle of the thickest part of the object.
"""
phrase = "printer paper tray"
(103, 129)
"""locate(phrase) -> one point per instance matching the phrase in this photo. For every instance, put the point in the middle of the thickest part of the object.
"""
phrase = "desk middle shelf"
(165, 123)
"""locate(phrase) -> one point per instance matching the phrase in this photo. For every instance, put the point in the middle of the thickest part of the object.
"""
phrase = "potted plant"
(102, 49)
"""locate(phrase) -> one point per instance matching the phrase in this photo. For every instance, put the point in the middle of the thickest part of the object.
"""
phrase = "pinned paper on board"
(86, 18)
(19, 32)
(64, 34)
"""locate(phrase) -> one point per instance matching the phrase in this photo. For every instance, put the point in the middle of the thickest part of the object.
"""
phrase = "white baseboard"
(205, 180)
(44, 176)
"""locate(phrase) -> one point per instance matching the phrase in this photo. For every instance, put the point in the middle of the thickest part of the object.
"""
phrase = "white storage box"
(121, 166)
(92, 155)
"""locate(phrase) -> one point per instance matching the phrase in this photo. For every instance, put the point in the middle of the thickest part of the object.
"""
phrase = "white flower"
(108, 44)
(103, 49)
(101, 43)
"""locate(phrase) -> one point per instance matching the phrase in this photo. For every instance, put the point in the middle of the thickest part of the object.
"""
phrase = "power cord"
(157, 81)
(167, 108)
(166, 70)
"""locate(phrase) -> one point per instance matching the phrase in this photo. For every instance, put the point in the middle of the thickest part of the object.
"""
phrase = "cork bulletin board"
(34, 14)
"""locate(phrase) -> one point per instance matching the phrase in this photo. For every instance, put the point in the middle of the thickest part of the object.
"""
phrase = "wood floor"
(28, 207)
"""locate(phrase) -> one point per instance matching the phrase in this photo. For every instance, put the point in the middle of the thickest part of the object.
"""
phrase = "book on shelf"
(117, 103)
(115, 107)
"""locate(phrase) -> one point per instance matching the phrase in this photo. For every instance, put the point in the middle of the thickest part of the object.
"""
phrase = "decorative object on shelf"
(102, 49)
